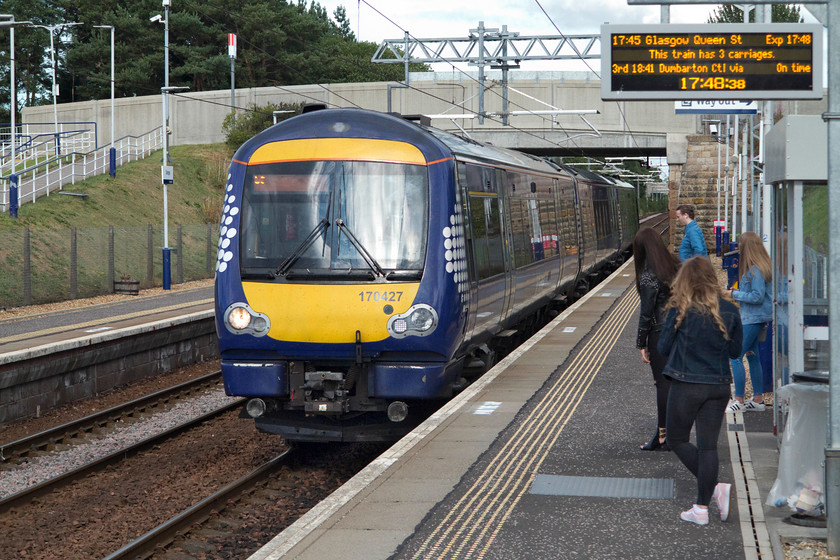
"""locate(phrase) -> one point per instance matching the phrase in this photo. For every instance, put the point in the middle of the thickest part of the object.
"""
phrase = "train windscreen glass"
(334, 217)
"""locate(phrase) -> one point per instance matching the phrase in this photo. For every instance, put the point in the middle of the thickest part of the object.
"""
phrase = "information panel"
(712, 61)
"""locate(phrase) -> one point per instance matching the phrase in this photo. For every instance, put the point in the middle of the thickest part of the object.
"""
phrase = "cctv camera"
(156, 18)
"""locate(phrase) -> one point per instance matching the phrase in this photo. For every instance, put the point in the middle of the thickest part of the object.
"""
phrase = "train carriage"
(366, 261)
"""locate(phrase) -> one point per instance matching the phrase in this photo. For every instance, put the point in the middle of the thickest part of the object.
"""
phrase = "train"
(370, 265)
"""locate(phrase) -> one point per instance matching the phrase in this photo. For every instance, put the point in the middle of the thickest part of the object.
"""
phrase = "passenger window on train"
(486, 236)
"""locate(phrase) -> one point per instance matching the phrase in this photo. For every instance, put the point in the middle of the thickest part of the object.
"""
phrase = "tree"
(781, 13)
(280, 42)
(32, 68)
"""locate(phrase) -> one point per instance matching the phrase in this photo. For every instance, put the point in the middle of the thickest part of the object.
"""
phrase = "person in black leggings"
(656, 267)
(702, 332)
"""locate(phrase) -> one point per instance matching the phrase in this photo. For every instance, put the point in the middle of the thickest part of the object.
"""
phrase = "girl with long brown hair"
(656, 267)
(755, 296)
(702, 332)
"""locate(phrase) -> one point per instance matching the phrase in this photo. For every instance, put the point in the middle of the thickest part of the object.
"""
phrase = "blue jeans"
(703, 406)
(750, 348)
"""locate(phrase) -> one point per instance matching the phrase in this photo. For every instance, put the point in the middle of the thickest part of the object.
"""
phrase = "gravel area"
(72, 411)
(39, 469)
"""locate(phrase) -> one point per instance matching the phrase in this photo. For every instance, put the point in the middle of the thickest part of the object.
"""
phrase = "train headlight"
(419, 320)
(241, 319)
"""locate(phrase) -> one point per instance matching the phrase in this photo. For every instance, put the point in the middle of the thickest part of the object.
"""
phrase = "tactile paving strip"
(603, 487)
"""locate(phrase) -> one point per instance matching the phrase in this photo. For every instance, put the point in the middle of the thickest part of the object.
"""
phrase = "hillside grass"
(35, 258)
(135, 196)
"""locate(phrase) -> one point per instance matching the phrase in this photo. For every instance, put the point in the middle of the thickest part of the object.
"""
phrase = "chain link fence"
(46, 266)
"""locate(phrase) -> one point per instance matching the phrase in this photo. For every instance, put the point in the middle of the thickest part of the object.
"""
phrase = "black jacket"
(697, 351)
(654, 296)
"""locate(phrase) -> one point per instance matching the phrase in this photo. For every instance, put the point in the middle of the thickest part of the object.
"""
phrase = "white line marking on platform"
(488, 407)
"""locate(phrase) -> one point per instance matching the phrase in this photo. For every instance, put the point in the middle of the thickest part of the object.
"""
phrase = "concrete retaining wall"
(41, 380)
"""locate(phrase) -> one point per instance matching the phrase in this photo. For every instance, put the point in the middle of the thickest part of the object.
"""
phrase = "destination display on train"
(712, 61)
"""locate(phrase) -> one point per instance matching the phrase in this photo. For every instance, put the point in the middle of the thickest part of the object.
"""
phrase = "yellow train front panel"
(329, 313)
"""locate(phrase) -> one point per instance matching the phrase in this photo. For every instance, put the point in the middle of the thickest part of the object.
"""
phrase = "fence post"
(150, 258)
(207, 260)
(111, 259)
(74, 271)
(179, 262)
(27, 269)
(13, 196)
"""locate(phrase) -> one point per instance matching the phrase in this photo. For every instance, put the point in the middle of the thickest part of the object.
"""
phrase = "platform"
(84, 325)
(540, 459)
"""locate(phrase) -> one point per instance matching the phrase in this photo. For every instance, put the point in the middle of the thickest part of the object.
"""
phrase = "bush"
(241, 126)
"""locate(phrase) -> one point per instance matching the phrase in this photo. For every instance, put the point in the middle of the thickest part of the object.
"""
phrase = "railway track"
(179, 525)
(660, 222)
(70, 431)
(77, 430)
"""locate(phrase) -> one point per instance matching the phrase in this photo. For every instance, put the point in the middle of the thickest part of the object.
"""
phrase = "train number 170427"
(380, 296)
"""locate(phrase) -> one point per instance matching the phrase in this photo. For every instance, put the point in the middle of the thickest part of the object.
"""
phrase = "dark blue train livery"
(369, 263)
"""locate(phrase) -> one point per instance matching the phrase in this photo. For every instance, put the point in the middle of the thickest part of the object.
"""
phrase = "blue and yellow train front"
(340, 279)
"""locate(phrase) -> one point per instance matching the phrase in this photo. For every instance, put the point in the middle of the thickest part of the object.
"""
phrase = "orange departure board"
(712, 61)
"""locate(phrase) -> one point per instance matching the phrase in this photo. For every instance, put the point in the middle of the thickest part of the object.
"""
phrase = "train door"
(484, 239)
(586, 223)
(568, 224)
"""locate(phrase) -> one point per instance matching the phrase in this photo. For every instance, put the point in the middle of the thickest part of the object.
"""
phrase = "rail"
(660, 222)
(47, 486)
(62, 433)
(163, 534)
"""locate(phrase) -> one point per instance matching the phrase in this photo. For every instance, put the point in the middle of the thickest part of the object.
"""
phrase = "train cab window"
(334, 217)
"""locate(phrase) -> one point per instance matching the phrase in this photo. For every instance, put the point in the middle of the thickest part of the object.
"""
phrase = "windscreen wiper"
(310, 239)
(368, 258)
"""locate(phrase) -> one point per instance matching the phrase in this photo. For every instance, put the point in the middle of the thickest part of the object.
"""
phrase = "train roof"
(470, 148)
(592, 177)
(320, 122)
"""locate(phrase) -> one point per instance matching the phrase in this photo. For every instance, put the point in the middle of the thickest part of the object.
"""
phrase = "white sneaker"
(752, 405)
(721, 498)
(696, 515)
(736, 406)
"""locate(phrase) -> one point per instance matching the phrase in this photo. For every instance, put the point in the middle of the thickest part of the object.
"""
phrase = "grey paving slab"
(350, 544)
(395, 515)
(400, 488)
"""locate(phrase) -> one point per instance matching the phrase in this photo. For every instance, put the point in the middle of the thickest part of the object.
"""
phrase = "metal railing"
(47, 162)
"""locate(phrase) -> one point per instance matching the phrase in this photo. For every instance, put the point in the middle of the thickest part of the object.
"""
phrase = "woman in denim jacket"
(754, 294)
(656, 267)
(702, 332)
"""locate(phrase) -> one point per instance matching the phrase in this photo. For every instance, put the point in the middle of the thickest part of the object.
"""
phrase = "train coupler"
(324, 393)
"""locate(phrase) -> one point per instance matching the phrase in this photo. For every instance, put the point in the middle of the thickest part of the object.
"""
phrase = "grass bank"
(66, 247)
(135, 196)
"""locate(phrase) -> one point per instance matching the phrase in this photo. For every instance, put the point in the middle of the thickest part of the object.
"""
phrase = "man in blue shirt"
(693, 243)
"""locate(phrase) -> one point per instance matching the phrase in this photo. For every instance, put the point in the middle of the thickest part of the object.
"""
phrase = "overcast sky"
(376, 20)
(426, 19)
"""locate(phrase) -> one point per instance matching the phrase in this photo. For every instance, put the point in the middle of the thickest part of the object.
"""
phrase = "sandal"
(655, 444)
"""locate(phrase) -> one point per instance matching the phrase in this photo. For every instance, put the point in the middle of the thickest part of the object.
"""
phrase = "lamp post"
(51, 29)
(166, 171)
(11, 24)
(112, 168)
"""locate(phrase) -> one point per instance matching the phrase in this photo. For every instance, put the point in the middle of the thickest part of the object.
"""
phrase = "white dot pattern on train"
(453, 244)
(226, 233)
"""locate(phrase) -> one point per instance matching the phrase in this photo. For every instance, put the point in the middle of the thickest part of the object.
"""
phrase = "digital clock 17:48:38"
(716, 83)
